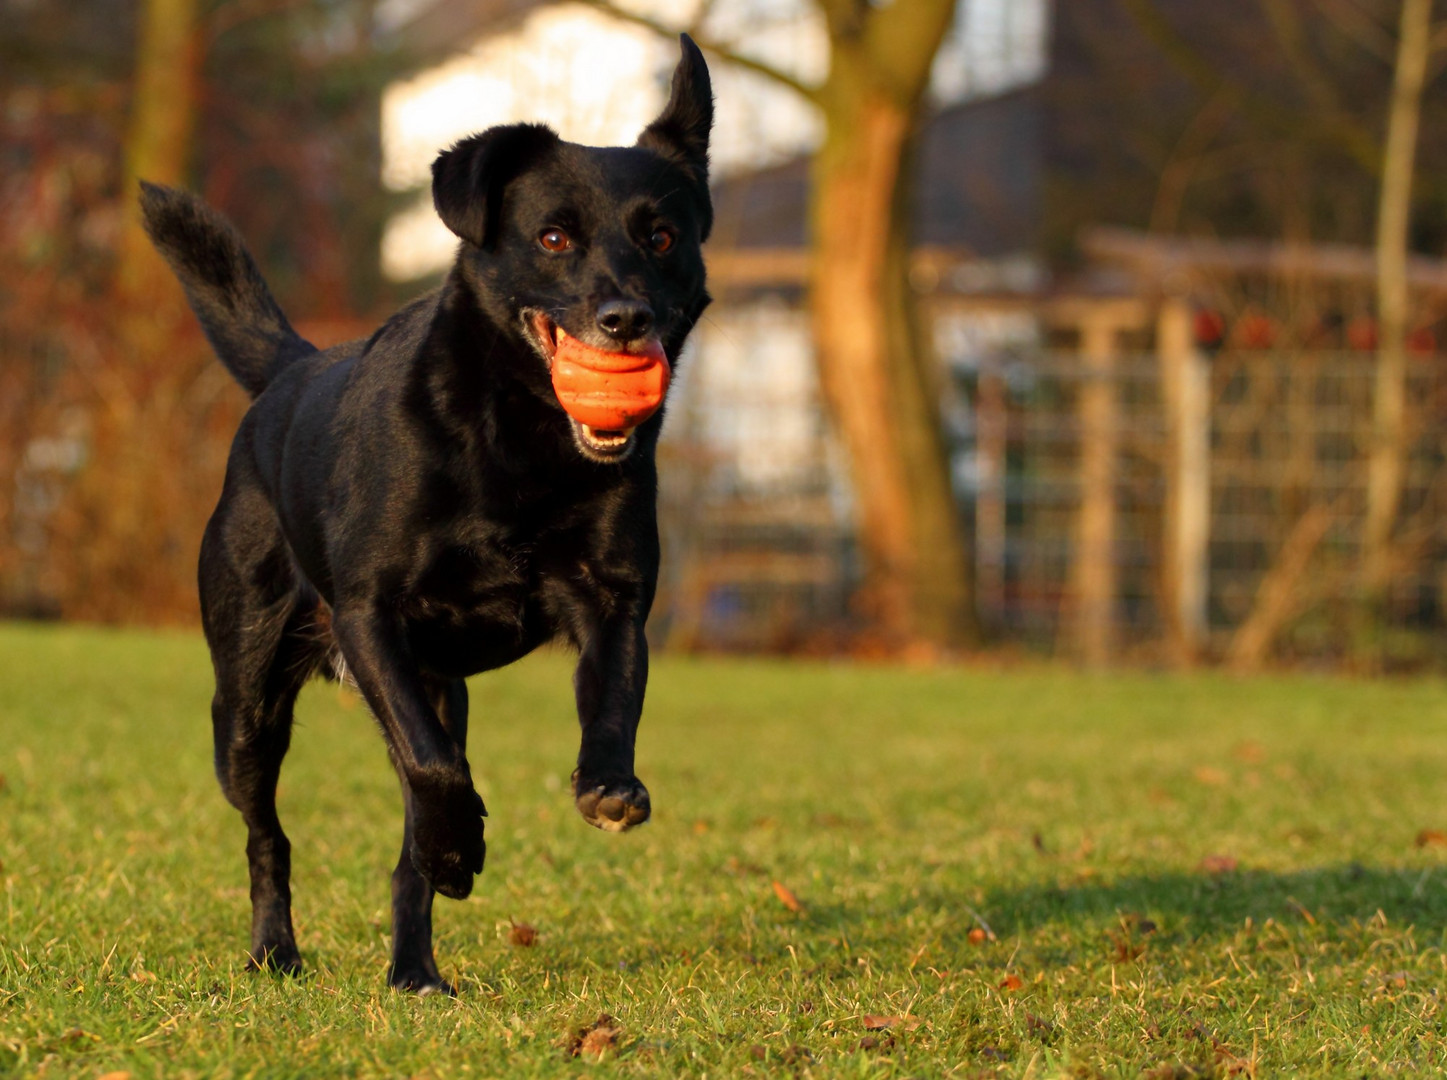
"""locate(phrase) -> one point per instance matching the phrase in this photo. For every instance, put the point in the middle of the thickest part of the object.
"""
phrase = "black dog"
(416, 508)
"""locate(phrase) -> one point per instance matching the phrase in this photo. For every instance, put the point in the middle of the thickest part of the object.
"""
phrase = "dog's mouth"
(606, 393)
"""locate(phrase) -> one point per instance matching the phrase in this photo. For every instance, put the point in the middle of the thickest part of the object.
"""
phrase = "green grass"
(1077, 816)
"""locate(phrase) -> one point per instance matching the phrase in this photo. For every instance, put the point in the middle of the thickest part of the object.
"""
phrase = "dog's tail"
(236, 309)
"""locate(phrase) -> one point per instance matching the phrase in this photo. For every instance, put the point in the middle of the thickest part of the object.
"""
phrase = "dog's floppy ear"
(469, 178)
(681, 130)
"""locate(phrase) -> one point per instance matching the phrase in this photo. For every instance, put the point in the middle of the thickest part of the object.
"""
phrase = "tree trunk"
(1387, 459)
(132, 522)
(877, 374)
(158, 134)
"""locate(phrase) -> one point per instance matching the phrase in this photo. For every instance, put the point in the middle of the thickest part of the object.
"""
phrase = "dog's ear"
(469, 178)
(681, 130)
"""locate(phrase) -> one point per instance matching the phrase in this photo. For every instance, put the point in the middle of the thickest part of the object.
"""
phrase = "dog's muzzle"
(606, 393)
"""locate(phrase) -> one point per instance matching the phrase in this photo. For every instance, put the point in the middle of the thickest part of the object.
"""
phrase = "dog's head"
(600, 245)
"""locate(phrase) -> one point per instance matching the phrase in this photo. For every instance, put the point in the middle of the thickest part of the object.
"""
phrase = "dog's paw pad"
(613, 806)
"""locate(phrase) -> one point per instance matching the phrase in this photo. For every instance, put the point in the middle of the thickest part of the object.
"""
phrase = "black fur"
(416, 508)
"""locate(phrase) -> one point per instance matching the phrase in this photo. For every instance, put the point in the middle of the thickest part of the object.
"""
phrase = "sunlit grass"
(1047, 873)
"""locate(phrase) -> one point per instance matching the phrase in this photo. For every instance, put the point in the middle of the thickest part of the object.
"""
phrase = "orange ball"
(608, 391)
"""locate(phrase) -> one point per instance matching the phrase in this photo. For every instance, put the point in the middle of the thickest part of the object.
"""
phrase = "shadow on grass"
(1202, 904)
(1180, 909)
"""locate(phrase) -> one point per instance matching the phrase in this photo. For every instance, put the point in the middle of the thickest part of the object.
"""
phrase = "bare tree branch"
(1360, 27)
(1208, 77)
(719, 49)
(1285, 20)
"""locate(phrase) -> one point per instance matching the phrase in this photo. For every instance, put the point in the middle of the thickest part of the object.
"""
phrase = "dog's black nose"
(625, 320)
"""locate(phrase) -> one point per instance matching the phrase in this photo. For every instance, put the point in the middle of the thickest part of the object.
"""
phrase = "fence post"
(1185, 398)
(1094, 571)
(992, 427)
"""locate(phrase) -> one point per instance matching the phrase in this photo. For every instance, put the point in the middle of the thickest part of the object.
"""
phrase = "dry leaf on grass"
(522, 934)
(1210, 776)
(1250, 751)
(873, 1022)
(1038, 1026)
(1011, 982)
(593, 1042)
(1432, 838)
(1219, 864)
(787, 897)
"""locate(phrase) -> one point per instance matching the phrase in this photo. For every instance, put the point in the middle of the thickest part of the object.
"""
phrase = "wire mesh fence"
(772, 562)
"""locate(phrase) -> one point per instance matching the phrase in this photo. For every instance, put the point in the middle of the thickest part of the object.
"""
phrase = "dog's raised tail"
(240, 316)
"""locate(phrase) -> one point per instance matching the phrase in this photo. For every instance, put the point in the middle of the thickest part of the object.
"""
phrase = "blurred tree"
(1297, 118)
(1386, 463)
(269, 108)
(875, 362)
(1239, 118)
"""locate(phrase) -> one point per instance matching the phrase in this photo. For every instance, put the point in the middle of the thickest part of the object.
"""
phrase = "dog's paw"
(611, 803)
(447, 844)
(416, 979)
(281, 957)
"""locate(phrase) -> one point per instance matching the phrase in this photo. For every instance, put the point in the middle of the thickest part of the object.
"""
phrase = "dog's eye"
(661, 240)
(554, 240)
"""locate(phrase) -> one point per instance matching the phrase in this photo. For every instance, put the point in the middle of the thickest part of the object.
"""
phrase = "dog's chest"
(481, 604)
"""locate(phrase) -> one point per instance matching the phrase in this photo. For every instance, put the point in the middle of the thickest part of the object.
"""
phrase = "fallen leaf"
(1012, 982)
(1432, 838)
(873, 1042)
(977, 936)
(1210, 776)
(701, 826)
(595, 1041)
(523, 934)
(1219, 864)
(796, 1055)
(1039, 1026)
(787, 897)
(1396, 980)
(1250, 751)
(1125, 948)
(873, 1022)
(734, 866)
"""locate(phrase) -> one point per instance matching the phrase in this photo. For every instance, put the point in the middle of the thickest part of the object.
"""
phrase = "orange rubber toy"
(608, 391)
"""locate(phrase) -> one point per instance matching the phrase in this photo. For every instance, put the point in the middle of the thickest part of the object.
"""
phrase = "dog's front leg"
(609, 683)
(447, 843)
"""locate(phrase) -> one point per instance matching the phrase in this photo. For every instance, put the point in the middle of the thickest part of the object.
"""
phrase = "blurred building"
(1157, 444)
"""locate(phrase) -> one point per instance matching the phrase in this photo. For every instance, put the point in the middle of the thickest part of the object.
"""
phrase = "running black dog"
(416, 508)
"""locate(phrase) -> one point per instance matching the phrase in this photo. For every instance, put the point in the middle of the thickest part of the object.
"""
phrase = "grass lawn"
(1032, 872)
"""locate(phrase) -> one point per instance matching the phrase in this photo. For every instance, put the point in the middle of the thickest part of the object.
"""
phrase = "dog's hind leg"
(413, 965)
(259, 624)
